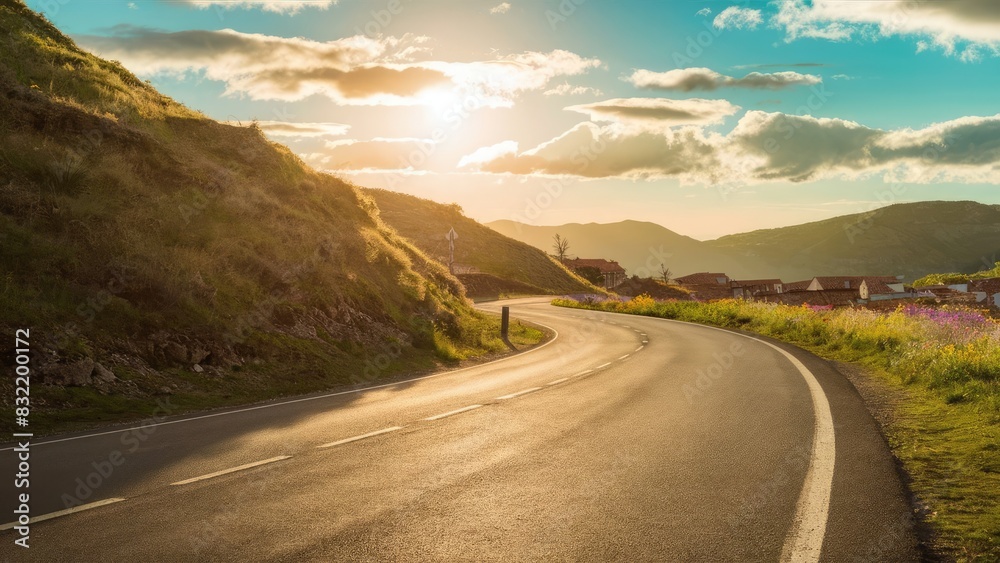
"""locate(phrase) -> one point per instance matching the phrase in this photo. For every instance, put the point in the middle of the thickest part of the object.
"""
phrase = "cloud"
(688, 79)
(351, 71)
(500, 9)
(763, 147)
(277, 6)
(488, 154)
(735, 17)
(381, 154)
(704, 11)
(966, 28)
(658, 112)
(290, 129)
(566, 89)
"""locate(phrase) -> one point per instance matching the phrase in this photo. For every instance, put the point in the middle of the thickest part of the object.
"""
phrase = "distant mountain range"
(911, 240)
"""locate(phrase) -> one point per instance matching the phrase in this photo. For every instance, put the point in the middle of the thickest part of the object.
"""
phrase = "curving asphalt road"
(624, 439)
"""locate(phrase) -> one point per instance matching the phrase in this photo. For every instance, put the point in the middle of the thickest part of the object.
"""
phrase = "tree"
(591, 274)
(665, 273)
(561, 246)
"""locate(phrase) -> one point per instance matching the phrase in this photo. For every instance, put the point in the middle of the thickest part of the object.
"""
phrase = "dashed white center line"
(51, 515)
(362, 436)
(585, 372)
(645, 342)
(603, 365)
(454, 412)
(558, 381)
(625, 356)
(640, 347)
(519, 393)
(233, 470)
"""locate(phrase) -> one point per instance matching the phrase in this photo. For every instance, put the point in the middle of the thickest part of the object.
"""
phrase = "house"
(818, 298)
(796, 286)
(707, 285)
(874, 289)
(846, 282)
(610, 271)
(748, 289)
(986, 291)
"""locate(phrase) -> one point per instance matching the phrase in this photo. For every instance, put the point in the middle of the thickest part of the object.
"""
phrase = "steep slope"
(150, 250)
(911, 239)
(425, 223)
(640, 247)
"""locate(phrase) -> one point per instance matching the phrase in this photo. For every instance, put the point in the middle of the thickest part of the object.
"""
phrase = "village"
(820, 291)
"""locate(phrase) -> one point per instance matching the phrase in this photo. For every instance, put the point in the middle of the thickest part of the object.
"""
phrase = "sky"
(708, 117)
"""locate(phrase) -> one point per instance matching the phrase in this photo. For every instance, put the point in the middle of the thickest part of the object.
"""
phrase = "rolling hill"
(150, 250)
(910, 239)
(516, 266)
(640, 247)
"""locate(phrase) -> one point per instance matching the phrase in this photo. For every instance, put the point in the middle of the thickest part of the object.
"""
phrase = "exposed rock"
(166, 390)
(76, 374)
(103, 374)
(176, 352)
(197, 368)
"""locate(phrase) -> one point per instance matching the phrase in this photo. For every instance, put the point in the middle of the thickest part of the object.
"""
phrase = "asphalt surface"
(624, 439)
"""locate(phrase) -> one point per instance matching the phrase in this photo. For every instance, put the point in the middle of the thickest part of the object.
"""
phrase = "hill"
(526, 269)
(911, 239)
(640, 247)
(150, 251)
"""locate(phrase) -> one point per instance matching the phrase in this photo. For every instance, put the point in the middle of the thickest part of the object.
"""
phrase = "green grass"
(426, 222)
(957, 278)
(945, 364)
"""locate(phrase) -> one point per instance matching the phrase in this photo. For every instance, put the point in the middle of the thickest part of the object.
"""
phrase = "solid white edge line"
(68, 511)
(362, 436)
(451, 413)
(804, 541)
(558, 381)
(555, 336)
(519, 393)
(231, 470)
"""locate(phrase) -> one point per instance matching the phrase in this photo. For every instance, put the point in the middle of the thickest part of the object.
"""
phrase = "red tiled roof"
(851, 282)
(703, 278)
(796, 286)
(877, 287)
(990, 286)
(747, 283)
(605, 266)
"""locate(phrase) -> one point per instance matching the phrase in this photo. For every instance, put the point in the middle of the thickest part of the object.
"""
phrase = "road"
(623, 439)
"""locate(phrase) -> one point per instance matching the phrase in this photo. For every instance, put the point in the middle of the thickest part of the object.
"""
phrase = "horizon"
(706, 118)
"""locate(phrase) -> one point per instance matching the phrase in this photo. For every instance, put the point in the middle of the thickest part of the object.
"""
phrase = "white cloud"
(704, 11)
(735, 17)
(501, 8)
(488, 154)
(764, 147)
(277, 6)
(351, 71)
(378, 154)
(688, 79)
(942, 24)
(567, 89)
(658, 112)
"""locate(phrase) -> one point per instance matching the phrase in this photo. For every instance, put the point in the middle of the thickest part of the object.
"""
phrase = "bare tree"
(561, 246)
(665, 273)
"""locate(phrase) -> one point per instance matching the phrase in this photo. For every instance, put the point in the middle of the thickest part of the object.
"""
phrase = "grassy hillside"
(425, 223)
(912, 239)
(638, 246)
(151, 250)
(957, 278)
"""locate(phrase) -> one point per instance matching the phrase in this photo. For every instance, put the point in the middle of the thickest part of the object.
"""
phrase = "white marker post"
(452, 236)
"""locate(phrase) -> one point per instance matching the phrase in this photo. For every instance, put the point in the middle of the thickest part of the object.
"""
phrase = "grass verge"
(944, 367)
